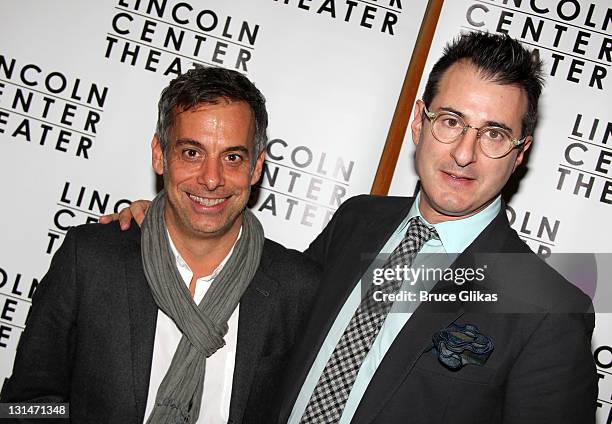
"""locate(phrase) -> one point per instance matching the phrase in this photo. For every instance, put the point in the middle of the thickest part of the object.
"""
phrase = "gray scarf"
(203, 326)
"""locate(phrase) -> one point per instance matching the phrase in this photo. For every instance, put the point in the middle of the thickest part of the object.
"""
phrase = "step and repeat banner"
(80, 80)
(564, 199)
(79, 84)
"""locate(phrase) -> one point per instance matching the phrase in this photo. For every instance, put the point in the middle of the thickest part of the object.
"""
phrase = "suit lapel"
(412, 341)
(367, 239)
(253, 323)
(143, 318)
(416, 336)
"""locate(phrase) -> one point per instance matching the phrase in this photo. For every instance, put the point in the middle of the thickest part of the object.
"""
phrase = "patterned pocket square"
(458, 345)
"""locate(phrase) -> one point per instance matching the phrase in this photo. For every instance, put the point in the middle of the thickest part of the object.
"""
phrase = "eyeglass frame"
(515, 143)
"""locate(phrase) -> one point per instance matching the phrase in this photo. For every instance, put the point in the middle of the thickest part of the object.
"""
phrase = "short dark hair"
(498, 57)
(211, 85)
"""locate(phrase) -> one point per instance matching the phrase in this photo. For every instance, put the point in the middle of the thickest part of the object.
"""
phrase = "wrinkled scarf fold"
(203, 326)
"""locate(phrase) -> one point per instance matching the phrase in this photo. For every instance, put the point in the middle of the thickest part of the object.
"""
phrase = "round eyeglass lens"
(495, 142)
(447, 128)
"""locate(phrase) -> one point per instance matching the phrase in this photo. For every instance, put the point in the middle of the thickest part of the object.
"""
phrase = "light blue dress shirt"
(455, 236)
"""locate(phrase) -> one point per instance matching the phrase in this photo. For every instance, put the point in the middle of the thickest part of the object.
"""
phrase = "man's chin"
(458, 210)
(209, 230)
(450, 210)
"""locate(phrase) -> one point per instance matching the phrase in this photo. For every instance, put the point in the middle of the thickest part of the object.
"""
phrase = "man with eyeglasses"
(510, 347)
(497, 336)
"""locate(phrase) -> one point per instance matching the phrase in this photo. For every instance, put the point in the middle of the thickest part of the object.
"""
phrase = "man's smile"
(207, 201)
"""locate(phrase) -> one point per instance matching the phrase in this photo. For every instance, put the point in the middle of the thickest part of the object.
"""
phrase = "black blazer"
(90, 332)
(540, 371)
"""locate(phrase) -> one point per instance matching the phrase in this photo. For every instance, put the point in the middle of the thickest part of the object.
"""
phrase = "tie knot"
(420, 232)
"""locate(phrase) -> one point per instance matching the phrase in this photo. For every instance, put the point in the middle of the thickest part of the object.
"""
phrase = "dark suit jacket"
(540, 371)
(89, 336)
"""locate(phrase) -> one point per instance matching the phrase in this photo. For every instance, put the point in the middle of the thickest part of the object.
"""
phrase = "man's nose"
(464, 149)
(211, 173)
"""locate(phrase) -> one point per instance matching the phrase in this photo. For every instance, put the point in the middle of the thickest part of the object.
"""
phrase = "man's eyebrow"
(236, 149)
(188, 142)
(487, 124)
(191, 142)
(450, 109)
(499, 124)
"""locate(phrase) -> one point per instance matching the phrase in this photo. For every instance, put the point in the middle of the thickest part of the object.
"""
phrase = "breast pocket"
(429, 363)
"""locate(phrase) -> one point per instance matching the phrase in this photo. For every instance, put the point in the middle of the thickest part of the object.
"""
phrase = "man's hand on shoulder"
(137, 211)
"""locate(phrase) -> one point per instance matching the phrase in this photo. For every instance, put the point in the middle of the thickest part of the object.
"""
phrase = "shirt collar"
(457, 235)
(180, 262)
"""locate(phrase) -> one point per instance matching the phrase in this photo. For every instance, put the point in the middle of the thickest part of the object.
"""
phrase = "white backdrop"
(564, 199)
(79, 83)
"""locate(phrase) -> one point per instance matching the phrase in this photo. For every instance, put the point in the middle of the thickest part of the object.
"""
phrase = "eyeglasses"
(495, 142)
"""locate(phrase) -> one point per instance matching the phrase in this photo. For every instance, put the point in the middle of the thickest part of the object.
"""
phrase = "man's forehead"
(193, 107)
(466, 89)
(181, 113)
(465, 72)
(181, 110)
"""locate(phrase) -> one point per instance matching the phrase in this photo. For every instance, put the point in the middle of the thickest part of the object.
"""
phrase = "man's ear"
(258, 167)
(157, 156)
(521, 154)
(417, 123)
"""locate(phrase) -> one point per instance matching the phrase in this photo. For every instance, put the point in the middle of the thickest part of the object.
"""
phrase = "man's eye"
(234, 157)
(494, 134)
(450, 122)
(190, 154)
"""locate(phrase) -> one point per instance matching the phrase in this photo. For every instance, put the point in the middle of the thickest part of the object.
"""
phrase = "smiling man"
(192, 319)
(499, 336)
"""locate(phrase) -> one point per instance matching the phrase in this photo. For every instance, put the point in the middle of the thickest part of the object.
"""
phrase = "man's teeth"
(206, 202)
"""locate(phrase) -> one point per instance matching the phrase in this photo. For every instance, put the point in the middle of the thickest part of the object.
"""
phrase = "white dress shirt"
(217, 393)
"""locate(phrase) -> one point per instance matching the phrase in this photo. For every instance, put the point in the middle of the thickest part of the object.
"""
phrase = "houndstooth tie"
(334, 386)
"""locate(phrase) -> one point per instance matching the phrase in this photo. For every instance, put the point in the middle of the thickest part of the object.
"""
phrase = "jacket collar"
(370, 235)
(416, 336)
